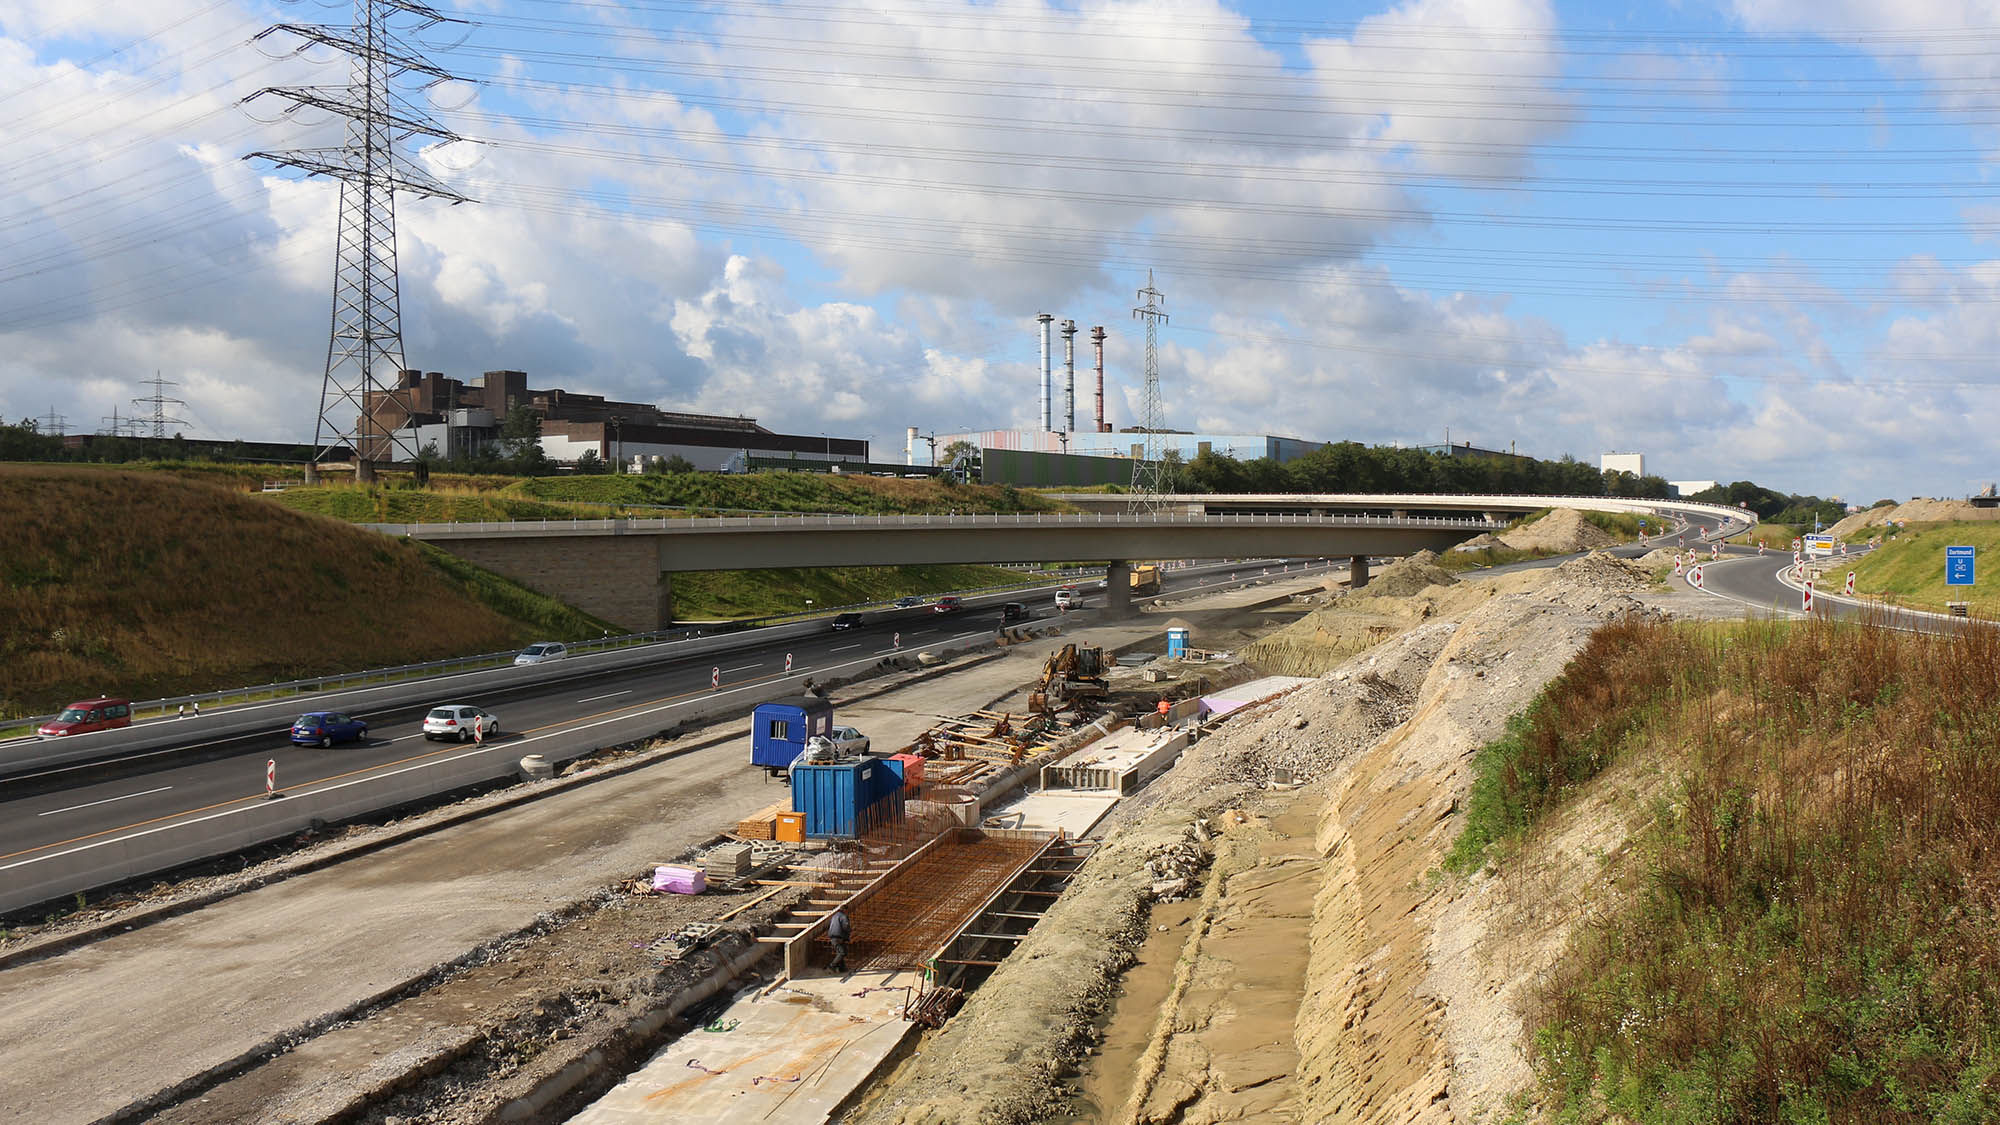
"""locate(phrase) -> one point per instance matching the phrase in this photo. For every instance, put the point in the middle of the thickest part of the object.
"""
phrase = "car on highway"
(1015, 611)
(324, 728)
(542, 653)
(909, 601)
(88, 715)
(950, 603)
(1067, 598)
(847, 621)
(451, 721)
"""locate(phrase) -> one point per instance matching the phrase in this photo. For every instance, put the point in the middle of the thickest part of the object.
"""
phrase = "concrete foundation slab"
(787, 1057)
(1073, 813)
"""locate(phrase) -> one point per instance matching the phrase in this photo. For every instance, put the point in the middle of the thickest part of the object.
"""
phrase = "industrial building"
(461, 418)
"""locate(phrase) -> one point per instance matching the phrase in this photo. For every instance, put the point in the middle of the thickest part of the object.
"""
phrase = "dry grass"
(1811, 930)
(147, 584)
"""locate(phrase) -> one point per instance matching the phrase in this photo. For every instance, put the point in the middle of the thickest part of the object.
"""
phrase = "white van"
(1067, 599)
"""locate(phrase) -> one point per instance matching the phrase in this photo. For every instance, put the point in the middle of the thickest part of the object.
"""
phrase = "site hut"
(779, 730)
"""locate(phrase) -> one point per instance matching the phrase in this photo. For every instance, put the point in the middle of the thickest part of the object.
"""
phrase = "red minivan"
(89, 715)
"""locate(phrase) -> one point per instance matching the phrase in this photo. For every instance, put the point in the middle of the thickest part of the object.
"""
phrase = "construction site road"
(140, 1018)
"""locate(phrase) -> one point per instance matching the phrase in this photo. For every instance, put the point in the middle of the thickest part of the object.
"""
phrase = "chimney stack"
(1044, 320)
(1069, 376)
(910, 447)
(1097, 338)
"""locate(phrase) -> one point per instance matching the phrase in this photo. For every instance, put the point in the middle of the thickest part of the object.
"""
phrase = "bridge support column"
(1118, 589)
(1495, 517)
(621, 579)
(1400, 513)
(1357, 572)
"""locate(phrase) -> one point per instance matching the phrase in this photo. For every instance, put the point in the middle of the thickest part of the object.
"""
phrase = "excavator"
(1072, 678)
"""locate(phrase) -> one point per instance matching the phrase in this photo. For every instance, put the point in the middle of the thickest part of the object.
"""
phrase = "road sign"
(1819, 544)
(1958, 566)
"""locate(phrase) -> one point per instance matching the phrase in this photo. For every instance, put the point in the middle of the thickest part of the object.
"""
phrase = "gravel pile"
(1560, 532)
(1176, 868)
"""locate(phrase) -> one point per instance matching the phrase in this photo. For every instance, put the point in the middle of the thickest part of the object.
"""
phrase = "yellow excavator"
(1072, 677)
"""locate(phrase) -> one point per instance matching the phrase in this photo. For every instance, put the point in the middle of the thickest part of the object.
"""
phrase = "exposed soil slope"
(1916, 511)
(148, 585)
(1560, 532)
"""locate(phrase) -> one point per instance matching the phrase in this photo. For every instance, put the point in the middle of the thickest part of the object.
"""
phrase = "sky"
(1751, 240)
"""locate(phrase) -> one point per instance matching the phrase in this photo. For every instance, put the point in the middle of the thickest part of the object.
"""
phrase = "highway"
(83, 811)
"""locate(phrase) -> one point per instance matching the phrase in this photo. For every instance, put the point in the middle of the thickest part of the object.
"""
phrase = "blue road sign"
(1958, 567)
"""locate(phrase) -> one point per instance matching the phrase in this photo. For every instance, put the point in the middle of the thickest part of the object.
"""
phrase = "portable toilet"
(1177, 641)
(779, 729)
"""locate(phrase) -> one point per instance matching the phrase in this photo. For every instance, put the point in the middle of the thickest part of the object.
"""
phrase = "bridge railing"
(696, 526)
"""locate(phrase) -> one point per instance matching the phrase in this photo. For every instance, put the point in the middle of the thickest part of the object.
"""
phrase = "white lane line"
(844, 648)
(613, 695)
(745, 668)
(106, 801)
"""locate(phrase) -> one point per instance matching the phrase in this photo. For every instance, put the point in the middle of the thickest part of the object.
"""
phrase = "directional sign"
(1819, 544)
(1958, 566)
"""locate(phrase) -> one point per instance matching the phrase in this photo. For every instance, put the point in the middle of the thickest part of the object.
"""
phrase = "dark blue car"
(324, 728)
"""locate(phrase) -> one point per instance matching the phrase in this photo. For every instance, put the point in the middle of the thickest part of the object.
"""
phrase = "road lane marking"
(844, 648)
(105, 801)
(745, 668)
(612, 695)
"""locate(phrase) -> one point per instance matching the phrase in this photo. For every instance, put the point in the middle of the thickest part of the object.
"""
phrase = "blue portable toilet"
(1177, 641)
(847, 798)
(779, 729)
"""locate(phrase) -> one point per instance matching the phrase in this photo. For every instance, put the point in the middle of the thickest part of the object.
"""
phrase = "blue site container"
(847, 798)
(1177, 641)
(779, 729)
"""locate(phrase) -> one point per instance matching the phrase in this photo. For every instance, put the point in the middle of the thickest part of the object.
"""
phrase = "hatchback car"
(910, 601)
(1014, 611)
(88, 715)
(540, 653)
(456, 721)
(948, 604)
(324, 728)
(1067, 599)
(846, 620)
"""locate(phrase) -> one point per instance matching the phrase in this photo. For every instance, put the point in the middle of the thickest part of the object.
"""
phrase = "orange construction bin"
(913, 770)
(791, 828)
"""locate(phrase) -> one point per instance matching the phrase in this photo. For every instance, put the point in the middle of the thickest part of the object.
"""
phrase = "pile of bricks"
(762, 824)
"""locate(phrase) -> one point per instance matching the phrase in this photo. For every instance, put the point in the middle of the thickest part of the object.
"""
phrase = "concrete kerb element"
(533, 1105)
(390, 837)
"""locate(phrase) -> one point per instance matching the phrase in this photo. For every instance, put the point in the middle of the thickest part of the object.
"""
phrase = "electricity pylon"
(367, 337)
(1151, 478)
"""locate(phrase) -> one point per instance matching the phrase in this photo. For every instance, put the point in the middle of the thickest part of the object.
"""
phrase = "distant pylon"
(1150, 477)
(159, 402)
(366, 343)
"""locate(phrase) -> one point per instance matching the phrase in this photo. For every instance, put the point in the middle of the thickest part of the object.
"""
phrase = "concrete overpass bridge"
(622, 570)
(1472, 506)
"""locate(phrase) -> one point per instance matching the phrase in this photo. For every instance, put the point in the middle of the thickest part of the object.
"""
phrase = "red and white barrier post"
(714, 678)
(270, 778)
(1694, 577)
(896, 639)
(1808, 605)
(1850, 583)
(788, 662)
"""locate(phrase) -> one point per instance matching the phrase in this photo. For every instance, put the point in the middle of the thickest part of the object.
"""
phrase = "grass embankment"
(710, 594)
(146, 584)
(1809, 928)
(1778, 536)
(1909, 570)
(1624, 525)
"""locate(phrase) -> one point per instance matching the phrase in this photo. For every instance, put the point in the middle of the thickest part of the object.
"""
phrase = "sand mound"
(1561, 531)
(1916, 511)
(1407, 576)
(1480, 542)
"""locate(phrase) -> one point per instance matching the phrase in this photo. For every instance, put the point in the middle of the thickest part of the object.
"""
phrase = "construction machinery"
(1146, 579)
(1072, 679)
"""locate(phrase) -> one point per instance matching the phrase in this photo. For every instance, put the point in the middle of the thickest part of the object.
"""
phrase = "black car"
(1014, 611)
(847, 621)
(908, 602)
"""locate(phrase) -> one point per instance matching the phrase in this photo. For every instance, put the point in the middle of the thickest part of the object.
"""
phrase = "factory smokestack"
(1097, 338)
(1044, 320)
(910, 447)
(1069, 376)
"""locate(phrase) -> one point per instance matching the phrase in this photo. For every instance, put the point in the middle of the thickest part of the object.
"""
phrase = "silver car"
(542, 652)
(461, 722)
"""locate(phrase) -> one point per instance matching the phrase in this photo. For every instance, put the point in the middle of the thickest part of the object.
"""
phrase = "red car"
(948, 604)
(88, 715)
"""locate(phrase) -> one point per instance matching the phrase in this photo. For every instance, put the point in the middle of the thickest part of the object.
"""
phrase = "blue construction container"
(847, 798)
(779, 729)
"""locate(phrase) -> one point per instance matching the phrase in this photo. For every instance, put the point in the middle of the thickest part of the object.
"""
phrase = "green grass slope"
(1910, 568)
(146, 584)
(715, 594)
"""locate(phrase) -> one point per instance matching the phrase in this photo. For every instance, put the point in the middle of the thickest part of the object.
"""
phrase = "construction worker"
(1165, 705)
(838, 931)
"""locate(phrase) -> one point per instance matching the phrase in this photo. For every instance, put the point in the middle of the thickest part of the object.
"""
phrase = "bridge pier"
(622, 579)
(1357, 572)
(1118, 589)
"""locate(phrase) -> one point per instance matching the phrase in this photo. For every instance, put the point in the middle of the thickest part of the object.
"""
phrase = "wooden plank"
(955, 961)
(751, 903)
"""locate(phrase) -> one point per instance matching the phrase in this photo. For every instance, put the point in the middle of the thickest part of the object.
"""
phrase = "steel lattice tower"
(367, 336)
(1151, 476)
(159, 402)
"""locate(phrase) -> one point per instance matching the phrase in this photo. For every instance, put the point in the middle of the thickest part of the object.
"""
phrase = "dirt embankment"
(1395, 988)
(1916, 511)
(1560, 532)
